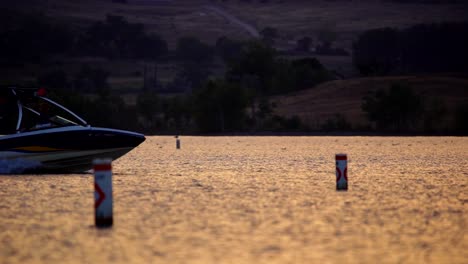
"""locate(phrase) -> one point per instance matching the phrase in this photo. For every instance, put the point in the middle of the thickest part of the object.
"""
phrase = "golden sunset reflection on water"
(251, 200)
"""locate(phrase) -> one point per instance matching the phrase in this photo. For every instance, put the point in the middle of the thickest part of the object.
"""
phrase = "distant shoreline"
(313, 134)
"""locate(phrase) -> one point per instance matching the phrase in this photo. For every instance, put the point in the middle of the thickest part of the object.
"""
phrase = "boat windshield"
(45, 122)
(26, 109)
(62, 121)
(51, 122)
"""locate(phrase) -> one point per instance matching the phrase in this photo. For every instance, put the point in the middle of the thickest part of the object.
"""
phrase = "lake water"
(251, 200)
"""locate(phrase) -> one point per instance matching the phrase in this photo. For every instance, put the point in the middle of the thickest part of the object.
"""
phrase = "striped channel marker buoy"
(341, 172)
(103, 192)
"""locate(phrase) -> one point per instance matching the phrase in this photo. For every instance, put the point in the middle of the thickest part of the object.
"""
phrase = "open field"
(314, 106)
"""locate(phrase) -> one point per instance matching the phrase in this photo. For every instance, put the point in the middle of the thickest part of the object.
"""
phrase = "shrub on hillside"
(395, 109)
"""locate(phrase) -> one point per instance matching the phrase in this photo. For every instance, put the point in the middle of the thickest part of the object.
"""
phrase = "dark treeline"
(33, 37)
(424, 48)
(237, 102)
(398, 109)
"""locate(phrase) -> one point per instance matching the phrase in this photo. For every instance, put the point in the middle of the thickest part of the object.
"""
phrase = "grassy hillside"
(315, 106)
(170, 19)
(294, 19)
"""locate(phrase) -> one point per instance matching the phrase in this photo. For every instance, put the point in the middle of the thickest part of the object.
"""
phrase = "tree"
(309, 72)
(258, 60)
(283, 79)
(148, 105)
(461, 118)
(327, 35)
(220, 107)
(434, 112)
(191, 76)
(377, 52)
(269, 34)
(275, 75)
(422, 48)
(177, 113)
(92, 80)
(435, 47)
(337, 122)
(303, 44)
(150, 47)
(110, 111)
(192, 49)
(228, 49)
(396, 109)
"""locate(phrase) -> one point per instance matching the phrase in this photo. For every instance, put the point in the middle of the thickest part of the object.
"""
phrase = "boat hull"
(66, 149)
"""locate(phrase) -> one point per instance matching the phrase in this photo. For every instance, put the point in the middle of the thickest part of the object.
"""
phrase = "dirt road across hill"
(249, 28)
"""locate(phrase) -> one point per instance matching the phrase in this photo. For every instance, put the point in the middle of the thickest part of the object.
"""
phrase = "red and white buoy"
(341, 171)
(103, 192)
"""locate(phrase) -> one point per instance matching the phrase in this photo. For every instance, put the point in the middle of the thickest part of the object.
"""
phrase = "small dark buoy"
(177, 142)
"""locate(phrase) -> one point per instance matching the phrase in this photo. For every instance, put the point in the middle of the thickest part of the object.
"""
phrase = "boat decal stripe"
(71, 128)
(37, 149)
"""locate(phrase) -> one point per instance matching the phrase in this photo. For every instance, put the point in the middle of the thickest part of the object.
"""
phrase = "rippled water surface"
(251, 200)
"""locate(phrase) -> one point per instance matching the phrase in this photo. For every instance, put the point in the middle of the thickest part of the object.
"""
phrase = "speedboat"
(41, 140)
